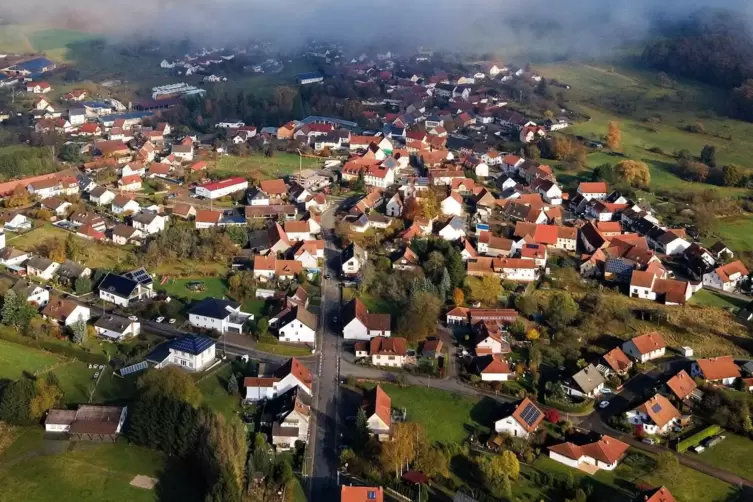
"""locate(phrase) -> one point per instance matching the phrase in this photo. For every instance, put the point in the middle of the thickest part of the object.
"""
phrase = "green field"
(595, 89)
(277, 166)
(732, 454)
(282, 349)
(735, 231)
(16, 359)
(59, 471)
(713, 299)
(55, 38)
(214, 287)
(446, 416)
(214, 389)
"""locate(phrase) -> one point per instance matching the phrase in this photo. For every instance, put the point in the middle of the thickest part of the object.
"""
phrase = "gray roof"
(588, 379)
(71, 270)
(113, 322)
(39, 263)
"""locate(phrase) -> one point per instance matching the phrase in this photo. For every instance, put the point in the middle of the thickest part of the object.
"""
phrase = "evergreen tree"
(232, 385)
(16, 402)
(79, 331)
(11, 304)
(446, 285)
(362, 429)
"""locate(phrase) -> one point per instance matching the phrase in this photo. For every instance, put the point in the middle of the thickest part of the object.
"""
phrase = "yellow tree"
(614, 136)
(57, 251)
(633, 172)
(458, 297)
(533, 334)
(47, 394)
(400, 452)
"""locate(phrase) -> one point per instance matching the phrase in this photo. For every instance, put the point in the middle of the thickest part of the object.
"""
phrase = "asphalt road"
(323, 457)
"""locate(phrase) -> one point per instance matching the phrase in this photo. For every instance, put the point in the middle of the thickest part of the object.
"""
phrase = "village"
(333, 285)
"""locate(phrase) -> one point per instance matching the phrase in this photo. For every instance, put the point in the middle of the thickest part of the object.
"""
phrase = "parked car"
(698, 449)
(159, 319)
(649, 441)
(603, 404)
(133, 318)
(171, 321)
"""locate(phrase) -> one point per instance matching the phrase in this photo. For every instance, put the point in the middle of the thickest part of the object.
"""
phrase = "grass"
(255, 307)
(735, 231)
(596, 89)
(708, 298)
(374, 304)
(31, 469)
(732, 454)
(262, 167)
(191, 268)
(12, 39)
(55, 38)
(446, 416)
(214, 287)
(283, 349)
(16, 359)
(214, 389)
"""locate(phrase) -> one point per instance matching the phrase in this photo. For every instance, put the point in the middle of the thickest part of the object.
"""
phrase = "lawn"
(191, 268)
(713, 299)
(373, 303)
(282, 349)
(255, 307)
(214, 389)
(446, 416)
(621, 484)
(214, 287)
(735, 231)
(45, 471)
(16, 359)
(281, 164)
(732, 454)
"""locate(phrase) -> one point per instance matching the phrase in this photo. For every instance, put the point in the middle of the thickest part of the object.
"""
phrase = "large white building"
(126, 289)
(218, 189)
(194, 353)
(223, 316)
(359, 324)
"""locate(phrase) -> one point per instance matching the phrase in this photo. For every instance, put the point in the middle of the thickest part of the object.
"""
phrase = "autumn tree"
(18, 198)
(614, 136)
(411, 209)
(399, 453)
(47, 393)
(485, 289)
(499, 470)
(633, 173)
(561, 309)
(668, 465)
(533, 334)
(56, 251)
(78, 329)
(420, 319)
(171, 382)
(429, 205)
(458, 297)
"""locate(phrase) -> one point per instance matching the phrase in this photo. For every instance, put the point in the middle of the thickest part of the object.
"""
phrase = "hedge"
(685, 444)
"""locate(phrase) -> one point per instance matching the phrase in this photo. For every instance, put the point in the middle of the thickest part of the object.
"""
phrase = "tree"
(420, 319)
(74, 247)
(434, 265)
(510, 465)
(70, 152)
(485, 290)
(614, 136)
(16, 401)
(172, 383)
(262, 327)
(533, 334)
(668, 465)
(400, 452)
(56, 251)
(79, 331)
(18, 198)
(532, 151)
(239, 235)
(633, 173)
(429, 205)
(527, 305)
(411, 209)
(11, 306)
(708, 155)
(47, 393)
(445, 285)
(732, 175)
(362, 429)
(359, 184)
(458, 297)
(83, 285)
(232, 385)
(561, 309)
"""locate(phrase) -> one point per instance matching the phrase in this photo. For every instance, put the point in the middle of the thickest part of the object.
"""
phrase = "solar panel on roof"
(656, 408)
(134, 368)
(370, 495)
(530, 414)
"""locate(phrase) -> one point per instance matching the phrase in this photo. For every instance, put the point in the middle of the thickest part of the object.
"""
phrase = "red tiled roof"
(659, 410)
(648, 342)
(606, 449)
(718, 368)
(681, 384)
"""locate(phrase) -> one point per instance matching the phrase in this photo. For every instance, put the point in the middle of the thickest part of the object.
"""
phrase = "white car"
(133, 318)
(159, 319)
(171, 321)
(607, 390)
(603, 404)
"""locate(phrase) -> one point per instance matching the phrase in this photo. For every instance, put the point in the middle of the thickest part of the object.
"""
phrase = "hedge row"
(686, 444)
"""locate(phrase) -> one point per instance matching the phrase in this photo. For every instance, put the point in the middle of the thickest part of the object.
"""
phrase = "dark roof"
(193, 344)
(118, 285)
(113, 322)
(352, 250)
(213, 308)
(71, 270)
(312, 74)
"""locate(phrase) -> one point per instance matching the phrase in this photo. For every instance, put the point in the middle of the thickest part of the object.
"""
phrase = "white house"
(88, 421)
(378, 407)
(288, 415)
(655, 416)
(126, 289)
(605, 453)
(123, 204)
(359, 324)
(716, 370)
(217, 189)
(726, 277)
(593, 190)
(289, 375)
(452, 205)
(116, 328)
(223, 316)
(66, 312)
(493, 368)
(645, 347)
(43, 268)
(586, 383)
(15, 222)
(390, 352)
(11, 257)
(353, 258)
(298, 326)
(453, 230)
(101, 196)
(522, 422)
(32, 293)
(394, 206)
(149, 223)
(192, 352)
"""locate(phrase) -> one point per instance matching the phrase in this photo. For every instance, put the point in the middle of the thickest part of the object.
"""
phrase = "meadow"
(261, 167)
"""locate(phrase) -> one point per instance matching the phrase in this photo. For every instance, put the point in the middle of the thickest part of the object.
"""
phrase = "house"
(682, 386)
(523, 421)
(290, 375)
(191, 352)
(126, 289)
(617, 361)
(89, 422)
(31, 292)
(605, 453)
(116, 328)
(493, 368)
(353, 258)
(394, 206)
(727, 277)
(661, 494)
(288, 417)
(130, 183)
(298, 326)
(56, 205)
(453, 230)
(123, 234)
(721, 370)
(490, 339)
(124, 204)
(720, 251)
(15, 222)
(309, 78)
(359, 324)
(408, 260)
(217, 189)
(511, 269)
(69, 272)
(207, 218)
(388, 351)
(101, 196)
(593, 190)
(378, 407)
(646, 285)
(183, 152)
(38, 87)
(645, 347)
(66, 312)
(432, 348)
(297, 230)
(452, 205)
(149, 223)
(550, 192)
(43, 268)
(586, 383)
(223, 316)
(183, 211)
(655, 416)
(11, 257)
(361, 494)
(565, 238)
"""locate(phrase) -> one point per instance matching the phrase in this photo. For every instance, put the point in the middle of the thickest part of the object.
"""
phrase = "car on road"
(159, 319)
(603, 404)
(133, 318)
(607, 390)
(327, 276)
(171, 321)
(649, 441)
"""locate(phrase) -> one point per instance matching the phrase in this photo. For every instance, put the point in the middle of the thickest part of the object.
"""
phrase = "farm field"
(281, 164)
(58, 471)
(56, 39)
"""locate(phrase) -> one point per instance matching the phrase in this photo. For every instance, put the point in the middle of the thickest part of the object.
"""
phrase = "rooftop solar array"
(530, 414)
(192, 344)
(140, 275)
(134, 368)
(656, 408)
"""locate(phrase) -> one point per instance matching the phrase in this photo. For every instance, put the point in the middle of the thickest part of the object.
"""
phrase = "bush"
(696, 438)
